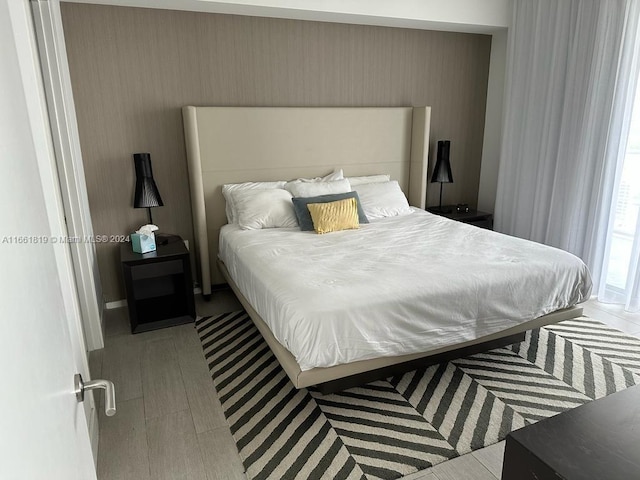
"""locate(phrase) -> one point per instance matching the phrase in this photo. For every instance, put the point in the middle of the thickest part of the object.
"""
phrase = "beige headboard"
(241, 144)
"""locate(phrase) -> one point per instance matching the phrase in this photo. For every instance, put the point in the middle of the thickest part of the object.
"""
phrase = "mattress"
(396, 286)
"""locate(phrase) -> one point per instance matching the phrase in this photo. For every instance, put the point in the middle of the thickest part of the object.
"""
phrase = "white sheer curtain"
(571, 75)
(620, 282)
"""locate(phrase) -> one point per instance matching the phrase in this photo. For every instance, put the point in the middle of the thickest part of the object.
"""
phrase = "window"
(626, 208)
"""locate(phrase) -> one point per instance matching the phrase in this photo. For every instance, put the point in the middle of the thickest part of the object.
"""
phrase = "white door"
(43, 429)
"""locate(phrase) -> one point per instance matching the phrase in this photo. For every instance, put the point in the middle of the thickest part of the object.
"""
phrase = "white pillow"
(331, 177)
(264, 208)
(313, 189)
(233, 187)
(382, 200)
(368, 179)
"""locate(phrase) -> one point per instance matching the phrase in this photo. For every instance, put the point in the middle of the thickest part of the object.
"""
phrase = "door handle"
(106, 385)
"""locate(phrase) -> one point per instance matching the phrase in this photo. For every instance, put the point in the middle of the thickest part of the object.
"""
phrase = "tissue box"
(143, 243)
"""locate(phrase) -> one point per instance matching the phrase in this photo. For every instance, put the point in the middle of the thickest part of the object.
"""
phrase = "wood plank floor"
(170, 423)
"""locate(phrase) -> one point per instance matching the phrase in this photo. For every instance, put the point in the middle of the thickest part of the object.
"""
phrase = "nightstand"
(472, 217)
(158, 286)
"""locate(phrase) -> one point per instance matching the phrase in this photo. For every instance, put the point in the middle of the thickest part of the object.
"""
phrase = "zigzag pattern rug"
(392, 428)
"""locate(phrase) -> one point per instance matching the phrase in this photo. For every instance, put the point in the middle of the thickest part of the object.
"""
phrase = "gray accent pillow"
(304, 217)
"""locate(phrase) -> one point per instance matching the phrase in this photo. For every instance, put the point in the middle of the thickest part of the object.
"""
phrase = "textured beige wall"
(133, 69)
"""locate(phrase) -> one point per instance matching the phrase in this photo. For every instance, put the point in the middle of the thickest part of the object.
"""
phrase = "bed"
(322, 330)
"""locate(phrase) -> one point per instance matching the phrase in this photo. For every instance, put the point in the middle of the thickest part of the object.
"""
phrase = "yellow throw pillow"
(334, 216)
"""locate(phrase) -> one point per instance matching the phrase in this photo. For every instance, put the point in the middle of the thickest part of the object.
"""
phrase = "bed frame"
(340, 377)
(240, 144)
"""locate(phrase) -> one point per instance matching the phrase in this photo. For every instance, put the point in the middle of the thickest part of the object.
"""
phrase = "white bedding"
(397, 285)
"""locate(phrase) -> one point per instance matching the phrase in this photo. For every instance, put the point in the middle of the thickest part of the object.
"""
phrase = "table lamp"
(146, 194)
(442, 170)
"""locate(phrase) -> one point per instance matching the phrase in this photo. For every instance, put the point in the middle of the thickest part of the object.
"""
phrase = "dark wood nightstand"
(159, 286)
(473, 217)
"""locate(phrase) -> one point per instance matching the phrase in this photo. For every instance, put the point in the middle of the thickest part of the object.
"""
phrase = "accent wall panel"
(132, 70)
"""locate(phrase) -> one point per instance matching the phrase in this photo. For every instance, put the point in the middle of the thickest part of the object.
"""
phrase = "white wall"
(493, 123)
(66, 143)
(455, 15)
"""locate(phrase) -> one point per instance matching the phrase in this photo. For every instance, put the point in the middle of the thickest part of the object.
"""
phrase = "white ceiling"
(473, 16)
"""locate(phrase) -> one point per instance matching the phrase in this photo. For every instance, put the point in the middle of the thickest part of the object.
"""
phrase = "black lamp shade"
(147, 194)
(442, 170)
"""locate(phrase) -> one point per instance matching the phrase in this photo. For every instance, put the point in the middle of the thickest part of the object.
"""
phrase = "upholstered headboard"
(241, 144)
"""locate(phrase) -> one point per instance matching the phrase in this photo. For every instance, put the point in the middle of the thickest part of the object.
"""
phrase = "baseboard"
(116, 304)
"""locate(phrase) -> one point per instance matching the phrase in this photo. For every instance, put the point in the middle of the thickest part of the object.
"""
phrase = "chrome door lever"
(106, 385)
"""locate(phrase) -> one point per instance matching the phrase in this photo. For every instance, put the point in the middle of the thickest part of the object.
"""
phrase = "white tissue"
(147, 229)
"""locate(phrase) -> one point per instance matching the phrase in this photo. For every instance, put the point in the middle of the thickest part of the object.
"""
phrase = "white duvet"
(396, 286)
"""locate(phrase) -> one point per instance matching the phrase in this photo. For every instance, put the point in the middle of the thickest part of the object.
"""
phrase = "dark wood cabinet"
(598, 440)
(159, 286)
(472, 217)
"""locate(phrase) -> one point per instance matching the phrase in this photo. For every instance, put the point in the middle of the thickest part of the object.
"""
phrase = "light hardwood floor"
(170, 424)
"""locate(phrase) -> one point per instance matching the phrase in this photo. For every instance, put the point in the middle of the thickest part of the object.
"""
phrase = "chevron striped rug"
(392, 428)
